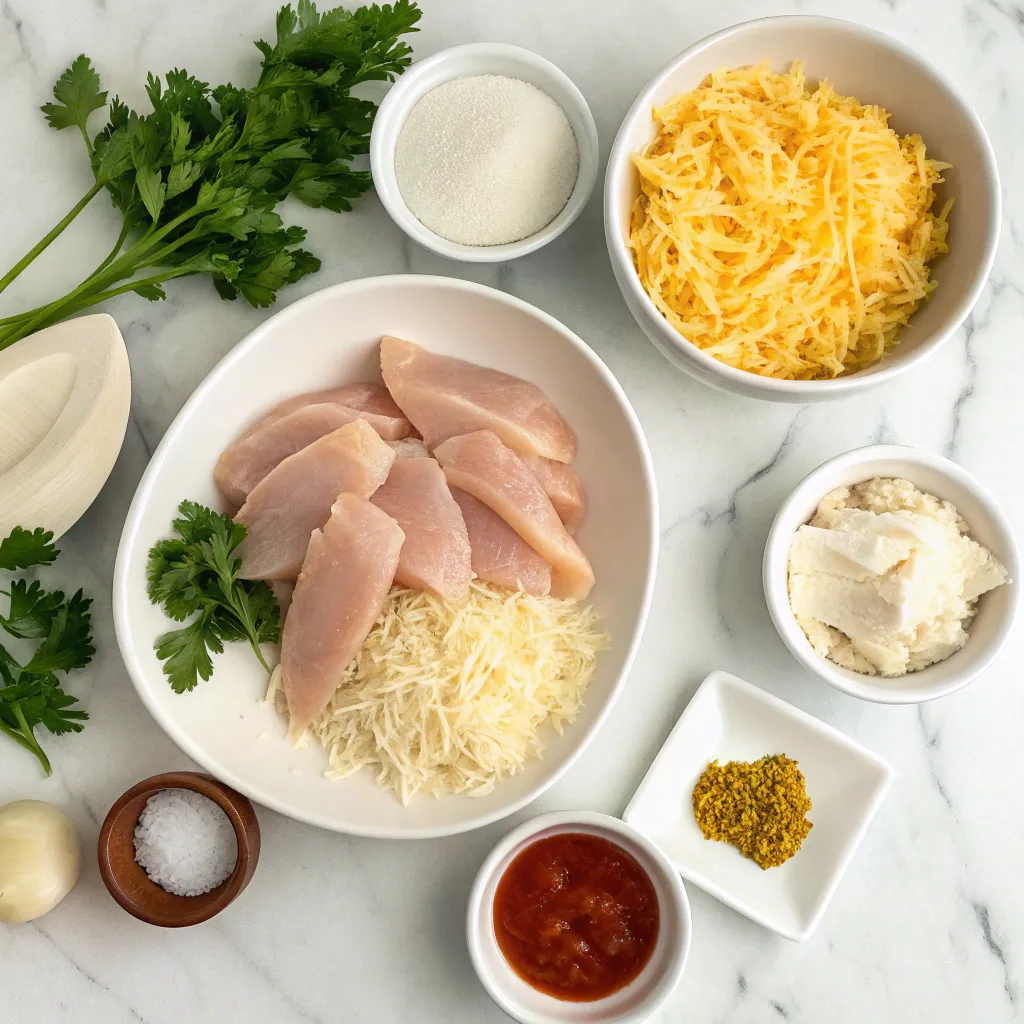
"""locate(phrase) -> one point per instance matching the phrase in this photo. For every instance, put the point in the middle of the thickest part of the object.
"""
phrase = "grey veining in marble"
(928, 924)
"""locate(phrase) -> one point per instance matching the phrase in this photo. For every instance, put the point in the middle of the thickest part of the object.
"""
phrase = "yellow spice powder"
(759, 807)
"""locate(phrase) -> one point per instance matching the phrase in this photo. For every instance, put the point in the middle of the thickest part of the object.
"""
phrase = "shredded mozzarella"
(784, 232)
(445, 699)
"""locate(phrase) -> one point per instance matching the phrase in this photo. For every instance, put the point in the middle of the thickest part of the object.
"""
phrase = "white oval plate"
(330, 338)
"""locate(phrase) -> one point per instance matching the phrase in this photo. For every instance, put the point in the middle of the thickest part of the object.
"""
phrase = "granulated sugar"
(486, 160)
(185, 842)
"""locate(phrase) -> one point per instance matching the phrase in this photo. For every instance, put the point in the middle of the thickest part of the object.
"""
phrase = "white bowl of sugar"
(484, 152)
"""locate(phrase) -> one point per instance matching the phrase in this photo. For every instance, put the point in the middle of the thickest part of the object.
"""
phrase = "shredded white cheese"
(447, 699)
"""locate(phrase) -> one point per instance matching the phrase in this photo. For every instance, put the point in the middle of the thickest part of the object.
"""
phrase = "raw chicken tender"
(446, 397)
(484, 467)
(246, 462)
(347, 573)
(436, 553)
(296, 498)
(499, 555)
(370, 402)
(562, 484)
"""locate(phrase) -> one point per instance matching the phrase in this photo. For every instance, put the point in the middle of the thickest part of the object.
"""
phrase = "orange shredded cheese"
(784, 232)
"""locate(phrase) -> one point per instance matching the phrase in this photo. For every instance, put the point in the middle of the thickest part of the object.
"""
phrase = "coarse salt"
(486, 160)
(185, 842)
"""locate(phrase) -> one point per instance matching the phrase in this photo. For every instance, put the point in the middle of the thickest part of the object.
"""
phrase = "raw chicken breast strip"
(371, 402)
(246, 462)
(481, 465)
(499, 554)
(347, 573)
(436, 552)
(562, 484)
(296, 497)
(446, 397)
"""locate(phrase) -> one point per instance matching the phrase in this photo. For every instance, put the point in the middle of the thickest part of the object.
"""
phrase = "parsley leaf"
(78, 94)
(196, 179)
(196, 574)
(68, 644)
(31, 693)
(32, 610)
(24, 549)
(186, 652)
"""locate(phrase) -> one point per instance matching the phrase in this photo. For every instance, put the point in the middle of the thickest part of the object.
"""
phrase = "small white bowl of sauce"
(576, 916)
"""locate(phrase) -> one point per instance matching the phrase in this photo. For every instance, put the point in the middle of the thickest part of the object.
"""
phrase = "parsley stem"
(89, 298)
(136, 256)
(94, 299)
(52, 234)
(31, 743)
(15, 735)
(259, 654)
(113, 252)
(8, 320)
(29, 314)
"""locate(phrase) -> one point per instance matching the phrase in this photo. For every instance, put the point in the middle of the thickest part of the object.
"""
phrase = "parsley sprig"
(195, 576)
(30, 690)
(198, 178)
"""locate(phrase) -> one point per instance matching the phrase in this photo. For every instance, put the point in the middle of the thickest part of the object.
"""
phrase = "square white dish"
(731, 720)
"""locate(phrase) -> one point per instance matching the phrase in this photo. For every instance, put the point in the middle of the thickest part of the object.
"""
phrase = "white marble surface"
(929, 921)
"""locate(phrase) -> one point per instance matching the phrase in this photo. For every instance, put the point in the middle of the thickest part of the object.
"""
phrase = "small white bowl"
(632, 1004)
(988, 524)
(461, 62)
(731, 720)
(876, 69)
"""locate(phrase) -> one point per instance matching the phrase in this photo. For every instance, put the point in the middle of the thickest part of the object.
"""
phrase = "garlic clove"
(39, 859)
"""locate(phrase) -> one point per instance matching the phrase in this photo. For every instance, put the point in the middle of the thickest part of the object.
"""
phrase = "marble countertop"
(928, 924)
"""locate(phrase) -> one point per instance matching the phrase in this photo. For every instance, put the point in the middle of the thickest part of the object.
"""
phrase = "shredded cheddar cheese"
(784, 232)
(445, 699)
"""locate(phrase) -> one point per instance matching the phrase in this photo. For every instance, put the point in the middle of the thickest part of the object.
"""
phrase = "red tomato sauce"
(576, 916)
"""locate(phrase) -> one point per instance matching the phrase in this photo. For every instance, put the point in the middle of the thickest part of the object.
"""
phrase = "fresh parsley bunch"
(198, 178)
(30, 693)
(195, 576)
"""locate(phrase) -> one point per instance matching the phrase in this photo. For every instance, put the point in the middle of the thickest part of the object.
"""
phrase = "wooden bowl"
(133, 889)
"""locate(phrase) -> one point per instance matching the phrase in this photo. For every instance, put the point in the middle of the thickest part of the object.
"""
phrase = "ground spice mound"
(759, 807)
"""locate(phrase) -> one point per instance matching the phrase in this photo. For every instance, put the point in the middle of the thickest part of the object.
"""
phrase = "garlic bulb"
(39, 859)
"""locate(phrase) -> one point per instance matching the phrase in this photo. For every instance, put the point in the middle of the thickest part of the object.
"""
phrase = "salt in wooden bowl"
(128, 882)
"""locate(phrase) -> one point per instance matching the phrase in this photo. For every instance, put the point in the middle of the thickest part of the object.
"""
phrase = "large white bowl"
(990, 628)
(331, 337)
(461, 62)
(875, 69)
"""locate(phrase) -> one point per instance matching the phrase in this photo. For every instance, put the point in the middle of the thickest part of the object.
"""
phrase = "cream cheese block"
(884, 578)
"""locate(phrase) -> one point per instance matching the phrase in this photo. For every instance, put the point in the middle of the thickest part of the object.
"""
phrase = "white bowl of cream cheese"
(987, 629)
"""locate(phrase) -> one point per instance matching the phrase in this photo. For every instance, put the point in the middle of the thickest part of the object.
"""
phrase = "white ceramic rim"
(742, 379)
(720, 678)
(776, 591)
(131, 526)
(384, 139)
(594, 819)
